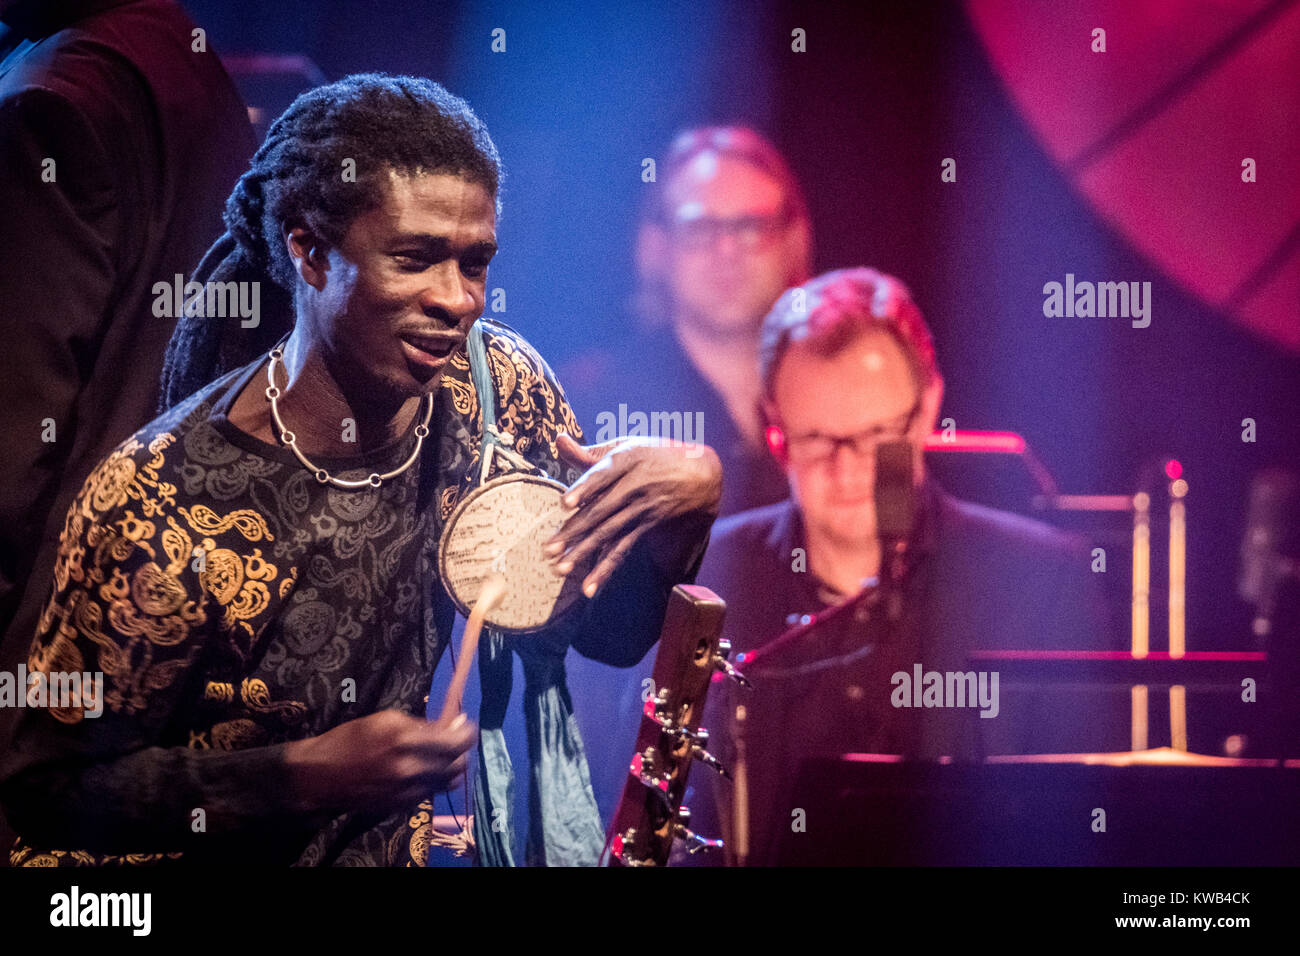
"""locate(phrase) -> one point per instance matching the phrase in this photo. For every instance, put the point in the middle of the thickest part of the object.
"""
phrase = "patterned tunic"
(234, 604)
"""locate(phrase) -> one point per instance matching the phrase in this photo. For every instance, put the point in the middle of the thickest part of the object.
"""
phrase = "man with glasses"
(846, 365)
(723, 232)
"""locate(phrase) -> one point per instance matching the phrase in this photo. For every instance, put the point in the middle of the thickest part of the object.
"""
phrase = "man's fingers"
(592, 487)
(448, 777)
(600, 542)
(444, 757)
(594, 525)
(593, 481)
(616, 492)
(582, 455)
(441, 740)
(571, 452)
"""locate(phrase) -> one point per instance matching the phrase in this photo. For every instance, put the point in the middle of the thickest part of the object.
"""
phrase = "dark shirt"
(977, 579)
(312, 606)
(119, 143)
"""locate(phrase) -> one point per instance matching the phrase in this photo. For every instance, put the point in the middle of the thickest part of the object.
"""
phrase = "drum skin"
(502, 527)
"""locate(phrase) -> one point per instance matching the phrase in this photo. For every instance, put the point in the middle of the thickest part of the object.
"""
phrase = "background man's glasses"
(704, 232)
(815, 448)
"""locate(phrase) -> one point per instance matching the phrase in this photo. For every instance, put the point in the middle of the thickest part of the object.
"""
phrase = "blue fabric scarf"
(564, 824)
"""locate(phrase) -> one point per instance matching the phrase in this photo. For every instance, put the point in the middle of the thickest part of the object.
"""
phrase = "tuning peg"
(703, 756)
(694, 842)
(622, 844)
(723, 665)
(720, 663)
(642, 769)
(654, 710)
(706, 758)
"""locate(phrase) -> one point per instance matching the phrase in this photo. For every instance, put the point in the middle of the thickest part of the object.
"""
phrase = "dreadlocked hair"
(380, 123)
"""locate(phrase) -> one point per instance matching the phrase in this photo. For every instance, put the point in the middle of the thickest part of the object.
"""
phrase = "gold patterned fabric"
(234, 604)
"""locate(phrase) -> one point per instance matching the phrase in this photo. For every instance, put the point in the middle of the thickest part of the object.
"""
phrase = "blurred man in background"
(847, 366)
(724, 231)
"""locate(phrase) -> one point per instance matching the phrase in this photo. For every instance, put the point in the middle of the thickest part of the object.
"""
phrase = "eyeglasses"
(750, 232)
(815, 448)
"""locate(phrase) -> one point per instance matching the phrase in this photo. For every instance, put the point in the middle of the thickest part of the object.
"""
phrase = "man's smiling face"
(404, 286)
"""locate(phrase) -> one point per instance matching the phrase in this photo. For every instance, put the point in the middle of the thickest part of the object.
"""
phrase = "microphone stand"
(870, 596)
(886, 590)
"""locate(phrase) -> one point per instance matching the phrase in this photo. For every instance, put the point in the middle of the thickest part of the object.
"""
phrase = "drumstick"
(489, 596)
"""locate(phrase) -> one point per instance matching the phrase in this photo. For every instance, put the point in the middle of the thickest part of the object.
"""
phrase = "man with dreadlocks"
(268, 631)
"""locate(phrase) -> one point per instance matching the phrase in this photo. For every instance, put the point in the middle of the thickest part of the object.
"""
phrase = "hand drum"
(500, 528)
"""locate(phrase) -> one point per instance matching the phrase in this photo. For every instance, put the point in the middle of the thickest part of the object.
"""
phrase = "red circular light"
(1174, 469)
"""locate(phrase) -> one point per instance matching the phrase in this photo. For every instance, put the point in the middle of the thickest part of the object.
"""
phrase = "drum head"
(501, 527)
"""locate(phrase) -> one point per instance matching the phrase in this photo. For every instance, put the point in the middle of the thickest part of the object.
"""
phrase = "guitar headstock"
(650, 815)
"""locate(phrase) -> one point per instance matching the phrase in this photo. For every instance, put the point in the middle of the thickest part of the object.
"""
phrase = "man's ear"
(309, 254)
(928, 417)
(773, 433)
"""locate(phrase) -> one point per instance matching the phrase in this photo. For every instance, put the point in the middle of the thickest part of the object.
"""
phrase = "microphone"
(895, 517)
(895, 493)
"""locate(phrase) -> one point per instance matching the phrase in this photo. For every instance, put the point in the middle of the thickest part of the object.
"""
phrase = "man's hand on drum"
(634, 487)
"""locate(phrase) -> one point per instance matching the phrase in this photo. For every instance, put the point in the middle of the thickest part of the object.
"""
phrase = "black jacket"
(980, 579)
